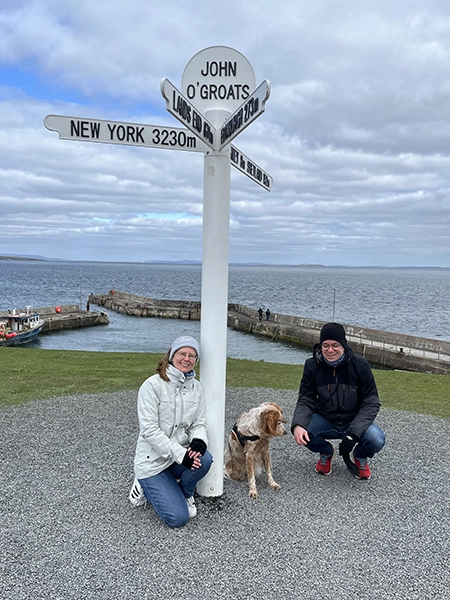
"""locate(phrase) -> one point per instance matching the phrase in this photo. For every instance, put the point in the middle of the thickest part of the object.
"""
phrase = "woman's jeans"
(168, 490)
(321, 429)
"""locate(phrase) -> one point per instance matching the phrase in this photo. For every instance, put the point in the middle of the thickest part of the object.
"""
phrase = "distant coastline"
(24, 257)
(21, 258)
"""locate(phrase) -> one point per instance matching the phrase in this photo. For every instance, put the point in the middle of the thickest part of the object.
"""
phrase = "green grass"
(30, 374)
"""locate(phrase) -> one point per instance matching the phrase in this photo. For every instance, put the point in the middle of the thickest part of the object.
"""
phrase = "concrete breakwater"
(69, 316)
(382, 348)
(141, 306)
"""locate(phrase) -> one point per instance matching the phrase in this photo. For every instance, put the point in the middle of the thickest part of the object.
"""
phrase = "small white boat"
(19, 327)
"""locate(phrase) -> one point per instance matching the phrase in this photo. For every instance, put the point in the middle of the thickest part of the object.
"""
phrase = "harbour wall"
(141, 306)
(69, 317)
(381, 348)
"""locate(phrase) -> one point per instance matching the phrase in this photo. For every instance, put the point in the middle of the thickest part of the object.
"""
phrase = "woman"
(171, 455)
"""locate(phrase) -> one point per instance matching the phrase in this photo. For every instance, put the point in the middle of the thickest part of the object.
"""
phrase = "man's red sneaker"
(363, 466)
(323, 466)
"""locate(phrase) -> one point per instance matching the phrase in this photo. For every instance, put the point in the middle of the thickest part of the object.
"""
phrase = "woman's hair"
(162, 366)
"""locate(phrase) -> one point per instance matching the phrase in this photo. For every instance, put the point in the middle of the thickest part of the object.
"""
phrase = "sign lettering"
(212, 91)
(226, 68)
(232, 125)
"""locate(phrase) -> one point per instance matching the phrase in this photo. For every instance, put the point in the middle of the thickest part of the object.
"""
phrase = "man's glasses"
(335, 346)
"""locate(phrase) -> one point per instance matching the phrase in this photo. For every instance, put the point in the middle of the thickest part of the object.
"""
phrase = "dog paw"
(253, 494)
(274, 485)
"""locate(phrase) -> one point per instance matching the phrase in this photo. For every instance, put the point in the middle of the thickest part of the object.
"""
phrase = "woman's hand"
(192, 460)
(196, 458)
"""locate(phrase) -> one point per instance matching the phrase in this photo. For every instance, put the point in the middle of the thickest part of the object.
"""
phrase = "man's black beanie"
(333, 331)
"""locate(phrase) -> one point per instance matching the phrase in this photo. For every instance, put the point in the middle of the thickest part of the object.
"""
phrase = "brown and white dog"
(248, 447)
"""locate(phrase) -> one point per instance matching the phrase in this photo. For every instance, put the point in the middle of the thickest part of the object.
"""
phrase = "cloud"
(355, 132)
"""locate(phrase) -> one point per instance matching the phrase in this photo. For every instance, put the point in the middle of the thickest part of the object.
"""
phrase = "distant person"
(171, 455)
(260, 313)
(338, 399)
(88, 306)
(267, 314)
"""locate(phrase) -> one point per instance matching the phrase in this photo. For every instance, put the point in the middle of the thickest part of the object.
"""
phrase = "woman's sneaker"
(136, 495)
(363, 467)
(192, 509)
(323, 466)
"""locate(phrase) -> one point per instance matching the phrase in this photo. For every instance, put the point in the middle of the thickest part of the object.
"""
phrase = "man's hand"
(301, 436)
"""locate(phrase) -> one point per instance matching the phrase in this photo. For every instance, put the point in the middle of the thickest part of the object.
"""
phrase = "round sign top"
(218, 78)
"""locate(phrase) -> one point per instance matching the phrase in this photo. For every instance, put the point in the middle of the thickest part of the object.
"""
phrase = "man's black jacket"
(345, 394)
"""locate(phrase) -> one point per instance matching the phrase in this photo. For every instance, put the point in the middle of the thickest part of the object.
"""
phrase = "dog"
(248, 447)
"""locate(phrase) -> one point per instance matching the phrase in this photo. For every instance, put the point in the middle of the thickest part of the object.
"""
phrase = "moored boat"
(19, 327)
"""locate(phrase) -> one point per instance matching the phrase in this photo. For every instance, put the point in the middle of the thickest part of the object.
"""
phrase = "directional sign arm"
(250, 168)
(131, 134)
(186, 113)
(250, 110)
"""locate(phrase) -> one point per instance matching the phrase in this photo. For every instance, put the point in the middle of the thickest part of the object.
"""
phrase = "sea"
(413, 301)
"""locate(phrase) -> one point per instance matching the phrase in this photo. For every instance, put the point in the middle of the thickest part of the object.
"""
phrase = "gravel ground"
(69, 532)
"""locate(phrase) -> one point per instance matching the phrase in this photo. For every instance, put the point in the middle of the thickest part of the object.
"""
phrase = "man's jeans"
(168, 490)
(320, 430)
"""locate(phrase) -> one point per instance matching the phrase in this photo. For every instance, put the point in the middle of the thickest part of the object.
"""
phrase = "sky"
(355, 133)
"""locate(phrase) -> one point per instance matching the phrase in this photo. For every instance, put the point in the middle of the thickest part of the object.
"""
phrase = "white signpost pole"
(214, 302)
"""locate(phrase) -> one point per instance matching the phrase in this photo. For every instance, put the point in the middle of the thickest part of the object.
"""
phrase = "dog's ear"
(271, 417)
(278, 408)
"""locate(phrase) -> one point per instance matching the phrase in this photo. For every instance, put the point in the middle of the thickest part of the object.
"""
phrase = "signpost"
(218, 102)
(219, 81)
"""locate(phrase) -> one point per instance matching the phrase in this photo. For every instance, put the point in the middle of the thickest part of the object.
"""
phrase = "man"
(338, 399)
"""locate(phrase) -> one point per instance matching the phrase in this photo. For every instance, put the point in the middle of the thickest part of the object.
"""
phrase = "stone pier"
(69, 316)
(381, 348)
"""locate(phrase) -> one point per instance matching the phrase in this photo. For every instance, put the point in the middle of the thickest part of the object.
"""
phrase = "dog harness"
(244, 438)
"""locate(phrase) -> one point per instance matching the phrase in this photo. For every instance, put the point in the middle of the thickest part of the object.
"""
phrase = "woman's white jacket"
(171, 414)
